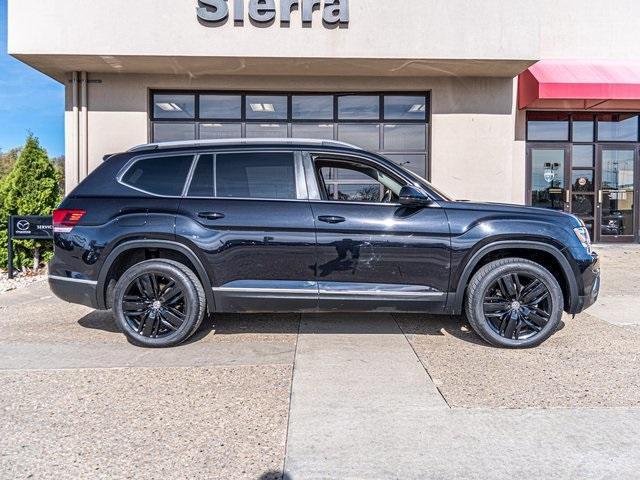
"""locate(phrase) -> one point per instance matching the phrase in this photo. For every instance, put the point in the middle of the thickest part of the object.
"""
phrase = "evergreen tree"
(31, 188)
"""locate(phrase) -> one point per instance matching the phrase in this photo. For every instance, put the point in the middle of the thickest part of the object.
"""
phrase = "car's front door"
(373, 253)
(248, 212)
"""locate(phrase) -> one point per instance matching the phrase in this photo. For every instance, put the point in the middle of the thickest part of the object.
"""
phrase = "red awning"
(567, 84)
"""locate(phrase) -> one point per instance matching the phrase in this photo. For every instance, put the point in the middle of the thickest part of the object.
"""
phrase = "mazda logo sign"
(23, 225)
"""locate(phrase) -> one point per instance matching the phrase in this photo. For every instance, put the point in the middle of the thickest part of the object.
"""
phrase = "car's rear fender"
(151, 245)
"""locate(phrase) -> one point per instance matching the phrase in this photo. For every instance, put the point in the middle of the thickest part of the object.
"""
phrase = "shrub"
(30, 188)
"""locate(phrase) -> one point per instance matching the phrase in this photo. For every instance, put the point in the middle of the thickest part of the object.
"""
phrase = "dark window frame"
(289, 122)
(289, 118)
(571, 115)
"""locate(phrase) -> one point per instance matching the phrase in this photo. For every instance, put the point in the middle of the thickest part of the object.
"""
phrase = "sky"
(29, 101)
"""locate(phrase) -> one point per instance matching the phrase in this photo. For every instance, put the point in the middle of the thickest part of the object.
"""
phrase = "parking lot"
(321, 396)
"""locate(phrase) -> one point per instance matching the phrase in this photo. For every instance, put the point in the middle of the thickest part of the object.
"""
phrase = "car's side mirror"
(411, 196)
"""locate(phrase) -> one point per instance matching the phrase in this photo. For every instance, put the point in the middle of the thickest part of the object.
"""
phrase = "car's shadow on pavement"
(414, 325)
(99, 320)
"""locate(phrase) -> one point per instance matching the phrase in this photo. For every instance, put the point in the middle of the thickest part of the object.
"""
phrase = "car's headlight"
(583, 235)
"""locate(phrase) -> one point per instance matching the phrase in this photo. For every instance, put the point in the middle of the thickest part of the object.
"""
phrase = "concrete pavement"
(363, 406)
(619, 301)
(319, 396)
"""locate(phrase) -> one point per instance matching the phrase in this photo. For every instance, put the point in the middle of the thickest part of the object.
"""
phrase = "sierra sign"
(264, 11)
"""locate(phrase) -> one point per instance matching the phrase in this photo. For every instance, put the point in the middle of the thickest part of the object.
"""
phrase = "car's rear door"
(248, 212)
(373, 253)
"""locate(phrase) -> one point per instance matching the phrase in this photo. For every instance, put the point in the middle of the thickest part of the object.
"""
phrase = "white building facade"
(508, 101)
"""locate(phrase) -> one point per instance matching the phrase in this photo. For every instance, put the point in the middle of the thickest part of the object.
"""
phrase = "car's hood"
(505, 208)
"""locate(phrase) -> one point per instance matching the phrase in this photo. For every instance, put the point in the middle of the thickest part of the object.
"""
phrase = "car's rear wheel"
(159, 303)
(514, 303)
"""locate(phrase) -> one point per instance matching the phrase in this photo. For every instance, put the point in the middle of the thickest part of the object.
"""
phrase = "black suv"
(166, 233)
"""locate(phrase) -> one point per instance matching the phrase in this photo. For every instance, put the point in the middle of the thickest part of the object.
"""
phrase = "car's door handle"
(211, 215)
(332, 219)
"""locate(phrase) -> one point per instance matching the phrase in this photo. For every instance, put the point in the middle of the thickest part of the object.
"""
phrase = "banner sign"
(31, 227)
(27, 228)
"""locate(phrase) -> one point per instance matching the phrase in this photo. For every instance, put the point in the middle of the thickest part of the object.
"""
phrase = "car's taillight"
(64, 220)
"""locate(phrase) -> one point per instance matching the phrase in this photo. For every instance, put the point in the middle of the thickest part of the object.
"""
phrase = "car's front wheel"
(159, 303)
(514, 303)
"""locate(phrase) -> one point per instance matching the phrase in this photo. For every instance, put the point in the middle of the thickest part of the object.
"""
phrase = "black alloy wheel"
(154, 305)
(518, 306)
(514, 303)
(159, 303)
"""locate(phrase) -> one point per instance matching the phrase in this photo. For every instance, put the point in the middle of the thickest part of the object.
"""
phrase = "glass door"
(583, 185)
(549, 167)
(617, 191)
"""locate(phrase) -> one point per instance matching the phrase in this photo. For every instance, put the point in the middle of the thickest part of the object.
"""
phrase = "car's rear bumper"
(73, 290)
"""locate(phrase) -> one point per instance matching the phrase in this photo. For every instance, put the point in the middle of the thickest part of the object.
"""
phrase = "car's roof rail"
(240, 141)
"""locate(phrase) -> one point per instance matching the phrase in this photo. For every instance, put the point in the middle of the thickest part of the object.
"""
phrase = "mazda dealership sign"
(31, 227)
(216, 12)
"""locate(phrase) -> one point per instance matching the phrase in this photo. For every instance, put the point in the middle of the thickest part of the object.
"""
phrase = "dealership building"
(519, 101)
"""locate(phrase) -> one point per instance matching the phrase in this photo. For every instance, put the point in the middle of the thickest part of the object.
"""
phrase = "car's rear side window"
(256, 175)
(159, 175)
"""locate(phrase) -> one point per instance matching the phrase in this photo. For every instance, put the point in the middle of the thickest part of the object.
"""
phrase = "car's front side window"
(347, 181)
(268, 175)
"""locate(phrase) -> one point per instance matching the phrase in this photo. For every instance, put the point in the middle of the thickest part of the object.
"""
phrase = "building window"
(323, 131)
(263, 107)
(266, 130)
(228, 107)
(362, 135)
(404, 108)
(405, 137)
(219, 131)
(358, 107)
(618, 127)
(174, 106)
(582, 156)
(395, 125)
(415, 163)
(174, 131)
(583, 127)
(548, 126)
(312, 107)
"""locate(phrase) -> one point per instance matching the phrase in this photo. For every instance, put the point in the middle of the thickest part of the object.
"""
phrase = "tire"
(159, 303)
(514, 303)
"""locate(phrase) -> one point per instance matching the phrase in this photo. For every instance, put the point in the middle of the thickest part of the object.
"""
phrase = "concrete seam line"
(131, 367)
(293, 369)
(421, 362)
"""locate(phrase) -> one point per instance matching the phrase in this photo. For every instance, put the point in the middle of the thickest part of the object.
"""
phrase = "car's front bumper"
(590, 285)
(74, 290)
